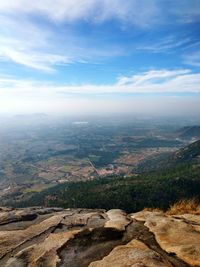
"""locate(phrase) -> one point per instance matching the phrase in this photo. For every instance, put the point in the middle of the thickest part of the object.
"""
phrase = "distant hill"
(190, 153)
(187, 155)
(189, 132)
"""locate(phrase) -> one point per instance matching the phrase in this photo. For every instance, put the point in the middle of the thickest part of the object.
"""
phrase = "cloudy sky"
(75, 56)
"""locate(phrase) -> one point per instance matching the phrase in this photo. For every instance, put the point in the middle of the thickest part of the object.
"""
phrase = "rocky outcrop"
(96, 238)
(179, 235)
(135, 253)
(117, 219)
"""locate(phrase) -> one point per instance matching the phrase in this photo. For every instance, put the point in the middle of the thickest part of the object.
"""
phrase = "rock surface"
(96, 238)
(135, 253)
(177, 234)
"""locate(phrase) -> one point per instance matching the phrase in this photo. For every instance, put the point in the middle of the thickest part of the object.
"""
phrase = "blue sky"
(70, 55)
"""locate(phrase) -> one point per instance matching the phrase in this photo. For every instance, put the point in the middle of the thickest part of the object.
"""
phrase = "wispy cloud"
(168, 44)
(142, 13)
(152, 77)
(187, 12)
(88, 10)
(192, 59)
(161, 81)
(34, 60)
(43, 49)
(153, 81)
(24, 43)
(35, 43)
(151, 91)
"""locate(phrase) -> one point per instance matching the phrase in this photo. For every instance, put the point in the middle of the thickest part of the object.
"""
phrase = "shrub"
(184, 206)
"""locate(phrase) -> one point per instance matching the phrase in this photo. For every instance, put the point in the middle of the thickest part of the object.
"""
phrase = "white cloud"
(154, 81)
(28, 96)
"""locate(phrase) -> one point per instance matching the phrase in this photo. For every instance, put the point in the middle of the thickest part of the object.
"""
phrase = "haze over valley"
(40, 151)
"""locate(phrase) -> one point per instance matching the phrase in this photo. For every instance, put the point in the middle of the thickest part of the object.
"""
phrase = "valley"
(38, 153)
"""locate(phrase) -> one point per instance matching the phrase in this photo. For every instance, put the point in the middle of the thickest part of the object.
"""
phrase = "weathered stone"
(144, 215)
(117, 219)
(135, 253)
(50, 237)
(91, 219)
(46, 251)
(9, 240)
(174, 235)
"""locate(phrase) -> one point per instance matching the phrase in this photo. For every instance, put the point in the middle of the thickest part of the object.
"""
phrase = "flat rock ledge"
(51, 237)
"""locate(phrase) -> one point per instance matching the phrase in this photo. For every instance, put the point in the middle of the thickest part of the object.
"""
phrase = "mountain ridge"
(189, 154)
(189, 132)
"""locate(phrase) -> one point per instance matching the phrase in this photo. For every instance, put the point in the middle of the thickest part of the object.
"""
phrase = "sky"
(100, 56)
